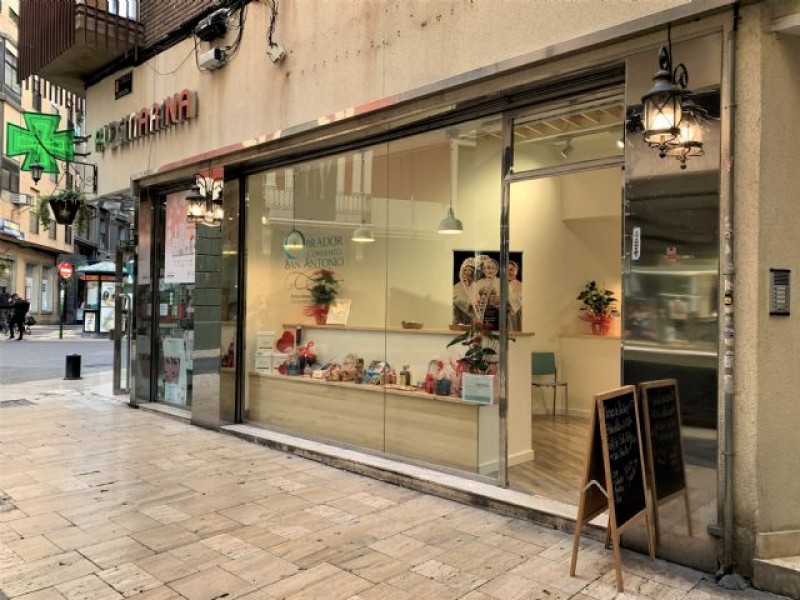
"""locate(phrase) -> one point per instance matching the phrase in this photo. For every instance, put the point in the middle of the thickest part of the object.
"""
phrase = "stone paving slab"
(103, 501)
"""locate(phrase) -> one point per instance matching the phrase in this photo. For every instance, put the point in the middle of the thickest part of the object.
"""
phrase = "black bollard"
(73, 367)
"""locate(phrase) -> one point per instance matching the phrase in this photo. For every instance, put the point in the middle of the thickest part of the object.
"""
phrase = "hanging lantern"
(196, 205)
(662, 104)
(689, 141)
(205, 206)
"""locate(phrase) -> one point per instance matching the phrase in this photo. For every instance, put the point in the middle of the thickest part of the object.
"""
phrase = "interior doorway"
(575, 220)
(573, 210)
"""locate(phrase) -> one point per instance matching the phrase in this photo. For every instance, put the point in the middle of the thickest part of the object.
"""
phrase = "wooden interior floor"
(559, 448)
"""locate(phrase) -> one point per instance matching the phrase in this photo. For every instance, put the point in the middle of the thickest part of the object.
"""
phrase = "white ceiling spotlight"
(567, 149)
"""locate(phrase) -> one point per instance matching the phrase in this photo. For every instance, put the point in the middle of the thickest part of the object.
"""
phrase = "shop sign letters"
(149, 120)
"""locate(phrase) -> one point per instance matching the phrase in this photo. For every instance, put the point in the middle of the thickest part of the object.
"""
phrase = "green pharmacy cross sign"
(40, 142)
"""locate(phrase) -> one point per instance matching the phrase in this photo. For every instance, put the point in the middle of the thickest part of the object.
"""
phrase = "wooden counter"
(443, 430)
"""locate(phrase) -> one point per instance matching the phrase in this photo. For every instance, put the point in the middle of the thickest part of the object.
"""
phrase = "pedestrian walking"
(5, 315)
(19, 309)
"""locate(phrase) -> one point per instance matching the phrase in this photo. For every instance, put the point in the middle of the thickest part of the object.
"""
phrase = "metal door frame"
(509, 177)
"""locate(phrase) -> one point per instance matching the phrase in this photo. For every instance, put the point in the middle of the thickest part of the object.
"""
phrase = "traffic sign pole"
(61, 308)
(65, 271)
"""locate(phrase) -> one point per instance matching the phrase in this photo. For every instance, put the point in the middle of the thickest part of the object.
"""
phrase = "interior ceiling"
(566, 123)
(587, 120)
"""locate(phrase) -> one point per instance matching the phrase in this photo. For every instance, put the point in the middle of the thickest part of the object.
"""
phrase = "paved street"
(101, 501)
(41, 355)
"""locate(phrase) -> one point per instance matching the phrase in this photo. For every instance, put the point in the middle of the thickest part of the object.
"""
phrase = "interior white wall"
(570, 229)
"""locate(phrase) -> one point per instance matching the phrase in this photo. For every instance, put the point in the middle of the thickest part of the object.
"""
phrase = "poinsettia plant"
(323, 287)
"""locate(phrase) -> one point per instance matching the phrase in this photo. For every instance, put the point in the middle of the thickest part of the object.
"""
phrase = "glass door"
(564, 192)
(175, 304)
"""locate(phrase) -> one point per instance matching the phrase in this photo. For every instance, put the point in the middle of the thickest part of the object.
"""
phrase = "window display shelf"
(422, 331)
(410, 391)
(437, 429)
(589, 336)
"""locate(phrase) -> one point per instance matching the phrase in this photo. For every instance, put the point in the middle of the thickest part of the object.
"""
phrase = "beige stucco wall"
(767, 178)
(340, 55)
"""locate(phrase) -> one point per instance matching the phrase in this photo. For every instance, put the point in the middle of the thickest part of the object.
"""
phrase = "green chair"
(542, 365)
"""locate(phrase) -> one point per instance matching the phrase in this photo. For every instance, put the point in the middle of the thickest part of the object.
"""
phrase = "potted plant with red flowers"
(599, 306)
(323, 287)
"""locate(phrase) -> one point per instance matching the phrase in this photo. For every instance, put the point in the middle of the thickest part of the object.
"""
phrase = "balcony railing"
(65, 41)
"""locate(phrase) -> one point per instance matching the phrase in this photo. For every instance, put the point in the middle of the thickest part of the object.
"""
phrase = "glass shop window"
(359, 277)
(32, 273)
(47, 289)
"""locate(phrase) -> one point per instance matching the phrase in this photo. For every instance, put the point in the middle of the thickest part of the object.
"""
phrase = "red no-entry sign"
(65, 270)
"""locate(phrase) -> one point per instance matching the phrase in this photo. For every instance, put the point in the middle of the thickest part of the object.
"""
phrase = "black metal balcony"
(66, 41)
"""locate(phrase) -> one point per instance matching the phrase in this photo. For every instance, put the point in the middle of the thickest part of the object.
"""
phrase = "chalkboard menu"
(666, 472)
(619, 427)
(663, 438)
(614, 476)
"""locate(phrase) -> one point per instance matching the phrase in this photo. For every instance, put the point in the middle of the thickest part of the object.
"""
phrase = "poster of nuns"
(476, 288)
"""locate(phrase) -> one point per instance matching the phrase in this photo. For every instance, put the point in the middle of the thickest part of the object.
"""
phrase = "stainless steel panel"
(671, 261)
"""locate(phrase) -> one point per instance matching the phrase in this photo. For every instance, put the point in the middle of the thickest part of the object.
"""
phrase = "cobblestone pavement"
(100, 501)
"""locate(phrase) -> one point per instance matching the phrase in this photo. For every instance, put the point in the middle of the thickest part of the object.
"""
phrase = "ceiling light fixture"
(363, 234)
(295, 241)
(567, 149)
(450, 225)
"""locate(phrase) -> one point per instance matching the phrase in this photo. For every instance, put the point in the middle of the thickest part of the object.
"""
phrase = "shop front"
(393, 287)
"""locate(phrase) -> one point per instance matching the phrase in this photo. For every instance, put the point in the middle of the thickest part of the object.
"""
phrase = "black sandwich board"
(614, 477)
(663, 445)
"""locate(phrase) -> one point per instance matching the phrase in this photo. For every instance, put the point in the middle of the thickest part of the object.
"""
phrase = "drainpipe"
(727, 268)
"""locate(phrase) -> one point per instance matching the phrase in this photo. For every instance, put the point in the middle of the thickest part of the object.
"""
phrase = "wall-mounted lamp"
(671, 119)
(36, 171)
(689, 141)
(204, 201)
(662, 103)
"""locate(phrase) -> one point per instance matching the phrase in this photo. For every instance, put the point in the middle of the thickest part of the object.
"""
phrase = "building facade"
(28, 251)
(335, 138)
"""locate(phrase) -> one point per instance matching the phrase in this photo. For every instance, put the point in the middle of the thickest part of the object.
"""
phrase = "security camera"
(276, 53)
(212, 59)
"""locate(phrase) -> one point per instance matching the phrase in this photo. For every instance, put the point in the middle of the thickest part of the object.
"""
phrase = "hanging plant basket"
(68, 206)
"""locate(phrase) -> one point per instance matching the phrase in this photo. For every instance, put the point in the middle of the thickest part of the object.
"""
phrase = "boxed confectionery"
(268, 361)
(265, 340)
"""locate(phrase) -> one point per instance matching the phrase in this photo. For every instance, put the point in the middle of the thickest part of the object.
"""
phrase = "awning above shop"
(101, 267)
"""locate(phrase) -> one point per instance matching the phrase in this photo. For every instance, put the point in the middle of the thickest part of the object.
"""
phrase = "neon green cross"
(40, 142)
